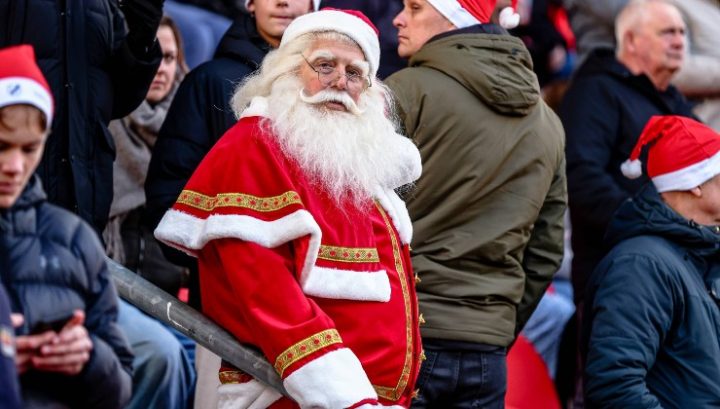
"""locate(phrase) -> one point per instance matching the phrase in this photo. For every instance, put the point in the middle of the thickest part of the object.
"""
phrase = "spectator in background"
(699, 77)
(70, 350)
(381, 13)
(127, 241)
(611, 98)
(9, 381)
(488, 211)
(99, 71)
(301, 240)
(164, 376)
(652, 315)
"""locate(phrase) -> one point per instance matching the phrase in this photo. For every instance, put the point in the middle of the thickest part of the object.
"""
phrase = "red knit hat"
(22, 82)
(682, 153)
(465, 13)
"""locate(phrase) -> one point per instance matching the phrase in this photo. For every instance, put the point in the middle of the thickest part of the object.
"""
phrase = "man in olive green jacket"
(488, 211)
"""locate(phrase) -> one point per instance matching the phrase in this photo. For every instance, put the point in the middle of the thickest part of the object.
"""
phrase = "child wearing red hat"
(69, 349)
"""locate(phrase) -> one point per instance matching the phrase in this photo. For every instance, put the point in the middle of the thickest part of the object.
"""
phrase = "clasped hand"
(64, 352)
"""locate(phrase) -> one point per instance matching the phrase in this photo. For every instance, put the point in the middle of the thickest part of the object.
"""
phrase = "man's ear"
(696, 191)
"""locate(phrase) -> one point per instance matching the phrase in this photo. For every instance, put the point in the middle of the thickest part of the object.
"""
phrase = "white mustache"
(329, 95)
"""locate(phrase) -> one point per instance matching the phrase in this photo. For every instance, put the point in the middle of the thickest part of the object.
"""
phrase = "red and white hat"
(682, 153)
(352, 23)
(316, 4)
(22, 82)
(465, 13)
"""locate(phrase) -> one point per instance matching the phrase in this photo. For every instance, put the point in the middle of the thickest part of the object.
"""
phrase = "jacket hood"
(496, 68)
(647, 214)
(242, 42)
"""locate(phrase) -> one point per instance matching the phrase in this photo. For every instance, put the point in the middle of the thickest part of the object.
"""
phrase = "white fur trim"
(396, 209)
(22, 90)
(189, 233)
(347, 285)
(247, 395)
(258, 107)
(375, 406)
(455, 13)
(341, 22)
(689, 177)
(334, 380)
(632, 169)
(508, 18)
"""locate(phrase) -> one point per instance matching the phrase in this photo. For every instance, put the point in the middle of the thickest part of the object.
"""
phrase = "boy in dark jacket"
(653, 304)
(70, 351)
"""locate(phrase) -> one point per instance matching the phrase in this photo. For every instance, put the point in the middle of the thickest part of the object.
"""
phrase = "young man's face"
(417, 23)
(273, 16)
(22, 139)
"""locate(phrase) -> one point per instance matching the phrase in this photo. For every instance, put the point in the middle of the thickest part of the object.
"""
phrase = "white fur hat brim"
(338, 21)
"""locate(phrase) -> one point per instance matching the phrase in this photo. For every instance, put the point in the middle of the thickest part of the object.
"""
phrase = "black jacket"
(199, 115)
(52, 263)
(651, 328)
(81, 49)
(604, 111)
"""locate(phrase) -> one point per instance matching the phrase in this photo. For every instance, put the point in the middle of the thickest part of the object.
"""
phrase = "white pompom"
(632, 169)
(509, 18)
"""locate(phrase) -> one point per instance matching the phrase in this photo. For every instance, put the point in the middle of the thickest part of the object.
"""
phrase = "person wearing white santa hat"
(70, 350)
(652, 309)
(302, 242)
(488, 210)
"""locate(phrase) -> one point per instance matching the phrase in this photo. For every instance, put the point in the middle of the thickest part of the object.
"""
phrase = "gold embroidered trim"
(234, 377)
(349, 254)
(306, 347)
(395, 393)
(259, 204)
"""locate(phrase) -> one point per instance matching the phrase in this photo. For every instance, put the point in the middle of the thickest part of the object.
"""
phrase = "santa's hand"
(69, 351)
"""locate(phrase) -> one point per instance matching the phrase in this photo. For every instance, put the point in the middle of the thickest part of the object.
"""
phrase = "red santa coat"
(326, 291)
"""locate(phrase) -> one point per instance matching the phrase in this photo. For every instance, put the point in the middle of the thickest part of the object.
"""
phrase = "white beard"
(349, 154)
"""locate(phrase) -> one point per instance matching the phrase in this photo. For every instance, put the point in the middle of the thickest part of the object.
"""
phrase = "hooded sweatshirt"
(488, 210)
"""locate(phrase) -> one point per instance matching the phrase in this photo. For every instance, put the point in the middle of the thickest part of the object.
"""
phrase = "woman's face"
(165, 76)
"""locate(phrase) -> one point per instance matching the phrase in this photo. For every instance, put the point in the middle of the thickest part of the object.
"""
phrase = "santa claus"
(301, 239)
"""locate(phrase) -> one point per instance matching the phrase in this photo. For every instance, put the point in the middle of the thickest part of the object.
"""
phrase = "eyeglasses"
(327, 73)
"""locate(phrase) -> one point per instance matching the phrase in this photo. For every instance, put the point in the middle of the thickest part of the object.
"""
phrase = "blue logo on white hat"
(14, 89)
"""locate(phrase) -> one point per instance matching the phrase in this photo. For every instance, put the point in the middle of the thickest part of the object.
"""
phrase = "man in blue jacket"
(652, 327)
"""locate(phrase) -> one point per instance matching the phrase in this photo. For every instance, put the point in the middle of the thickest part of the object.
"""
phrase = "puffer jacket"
(488, 210)
(651, 331)
(51, 264)
(83, 51)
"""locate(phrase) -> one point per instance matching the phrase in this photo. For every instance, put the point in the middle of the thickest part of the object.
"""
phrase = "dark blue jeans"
(459, 377)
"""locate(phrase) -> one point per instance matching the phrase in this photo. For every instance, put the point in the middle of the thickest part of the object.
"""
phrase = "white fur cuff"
(334, 380)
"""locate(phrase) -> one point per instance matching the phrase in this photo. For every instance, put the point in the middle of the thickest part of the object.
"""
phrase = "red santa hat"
(465, 13)
(22, 82)
(682, 153)
(352, 23)
(316, 4)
